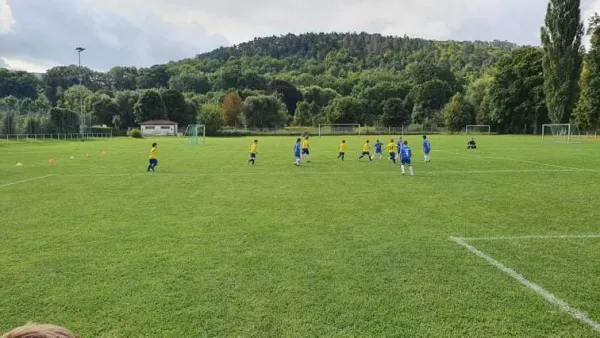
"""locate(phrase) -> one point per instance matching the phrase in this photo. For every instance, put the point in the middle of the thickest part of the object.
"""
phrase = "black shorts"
(252, 155)
(341, 153)
(366, 153)
(305, 151)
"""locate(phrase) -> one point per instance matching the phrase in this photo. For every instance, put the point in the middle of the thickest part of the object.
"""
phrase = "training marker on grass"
(72, 157)
(19, 164)
(561, 304)
(51, 161)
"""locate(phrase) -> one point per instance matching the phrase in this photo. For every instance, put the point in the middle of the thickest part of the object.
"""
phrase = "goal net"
(566, 133)
(478, 129)
(194, 134)
(339, 129)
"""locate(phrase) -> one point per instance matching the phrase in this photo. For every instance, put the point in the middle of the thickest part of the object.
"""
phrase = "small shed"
(159, 128)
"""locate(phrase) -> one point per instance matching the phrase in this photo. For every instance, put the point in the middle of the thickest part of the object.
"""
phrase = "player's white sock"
(410, 170)
(297, 161)
(308, 158)
(402, 169)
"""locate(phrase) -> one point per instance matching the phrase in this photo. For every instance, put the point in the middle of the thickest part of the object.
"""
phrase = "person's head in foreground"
(298, 140)
(32, 330)
(405, 142)
(255, 141)
(424, 137)
(154, 145)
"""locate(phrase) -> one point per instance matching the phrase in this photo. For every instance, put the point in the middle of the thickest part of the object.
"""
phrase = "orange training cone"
(51, 161)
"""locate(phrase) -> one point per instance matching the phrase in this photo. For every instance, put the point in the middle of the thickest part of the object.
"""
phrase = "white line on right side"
(530, 237)
(561, 304)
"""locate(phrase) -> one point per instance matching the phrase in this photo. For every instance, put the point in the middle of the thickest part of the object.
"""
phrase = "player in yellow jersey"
(153, 161)
(366, 151)
(391, 148)
(306, 149)
(342, 150)
(253, 152)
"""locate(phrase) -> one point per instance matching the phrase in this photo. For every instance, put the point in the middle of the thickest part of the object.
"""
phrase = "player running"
(306, 149)
(426, 149)
(366, 151)
(342, 150)
(391, 148)
(152, 160)
(253, 152)
(405, 158)
(378, 149)
(297, 153)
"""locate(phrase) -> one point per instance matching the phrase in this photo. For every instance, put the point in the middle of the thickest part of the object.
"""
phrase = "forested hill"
(320, 78)
(355, 52)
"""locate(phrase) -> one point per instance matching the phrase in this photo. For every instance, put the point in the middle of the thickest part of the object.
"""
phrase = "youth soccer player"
(426, 149)
(400, 145)
(153, 161)
(253, 152)
(366, 151)
(471, 144)
(391, 147)
(297, 154)
(378, 149)
(306, 149)
(405, 158)
(342, 150)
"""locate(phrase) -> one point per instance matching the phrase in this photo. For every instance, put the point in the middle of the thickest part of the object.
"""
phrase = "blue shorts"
(393, 156)
(426, 151)
(297, 155)
(405, 160)
(378, 151)
(153, 162)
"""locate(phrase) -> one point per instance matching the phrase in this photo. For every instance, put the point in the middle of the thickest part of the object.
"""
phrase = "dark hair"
(424, 136)
(343, 141)
(255, 141)
(298, 139)
(405, 142)
(154, 144)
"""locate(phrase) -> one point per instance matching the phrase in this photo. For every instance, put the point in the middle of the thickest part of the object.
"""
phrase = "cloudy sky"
(39, 34)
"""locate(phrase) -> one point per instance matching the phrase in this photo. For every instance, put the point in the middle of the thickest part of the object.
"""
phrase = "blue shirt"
(400, 146)
(378, 146)
(297, 149)
(426, 146)
(406, 152)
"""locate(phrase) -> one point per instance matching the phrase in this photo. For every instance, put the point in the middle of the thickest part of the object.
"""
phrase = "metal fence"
(55, 136)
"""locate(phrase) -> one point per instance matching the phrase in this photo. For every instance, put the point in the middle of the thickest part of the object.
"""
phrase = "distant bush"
(135, 133)
(102, 130)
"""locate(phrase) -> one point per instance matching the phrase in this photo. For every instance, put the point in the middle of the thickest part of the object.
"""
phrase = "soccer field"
(500, 241)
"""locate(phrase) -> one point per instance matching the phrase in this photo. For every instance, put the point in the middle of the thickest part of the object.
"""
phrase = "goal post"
(561, 132)
(339, 129)
(193, 132)
(478, 129)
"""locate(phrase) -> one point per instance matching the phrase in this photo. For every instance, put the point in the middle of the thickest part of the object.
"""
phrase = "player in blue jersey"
(405, 156)
(297, 152)
(378, 149)
(426, 149)
(400, 145)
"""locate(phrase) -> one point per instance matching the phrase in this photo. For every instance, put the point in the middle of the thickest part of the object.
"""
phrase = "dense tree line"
(311, 79)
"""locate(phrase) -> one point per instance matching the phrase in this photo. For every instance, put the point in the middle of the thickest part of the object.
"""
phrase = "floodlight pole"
(81, 118)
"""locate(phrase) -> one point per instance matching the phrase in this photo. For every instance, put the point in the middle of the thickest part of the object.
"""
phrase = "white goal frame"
(323, 126)
(469, 126)
(193, 137)
(566, 137)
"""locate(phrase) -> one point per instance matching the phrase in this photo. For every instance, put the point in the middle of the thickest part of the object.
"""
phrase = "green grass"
(208, 246)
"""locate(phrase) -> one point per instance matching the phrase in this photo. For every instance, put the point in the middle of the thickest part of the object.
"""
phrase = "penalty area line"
(561, 304)
(24, 181)
(504, 238)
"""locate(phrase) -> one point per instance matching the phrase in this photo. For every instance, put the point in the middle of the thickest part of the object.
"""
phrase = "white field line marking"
(523, 161)
(24, 181)
(561, 304)
(431, 173)
(530, 237)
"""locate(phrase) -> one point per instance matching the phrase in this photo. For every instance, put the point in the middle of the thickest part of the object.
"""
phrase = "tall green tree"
(515, 95)
(264, 112)
(561, 39)
(587, 112)
(150, 106)
(395, 114)
(458, 113)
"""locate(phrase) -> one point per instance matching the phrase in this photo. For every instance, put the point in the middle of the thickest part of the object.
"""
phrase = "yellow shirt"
(254, 148)
(342, 148)
(152, 153)
(391, 147)
(366, 148)
(305, 144)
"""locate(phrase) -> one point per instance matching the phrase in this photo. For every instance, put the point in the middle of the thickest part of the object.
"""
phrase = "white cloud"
(35, 66)
(6, 18)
